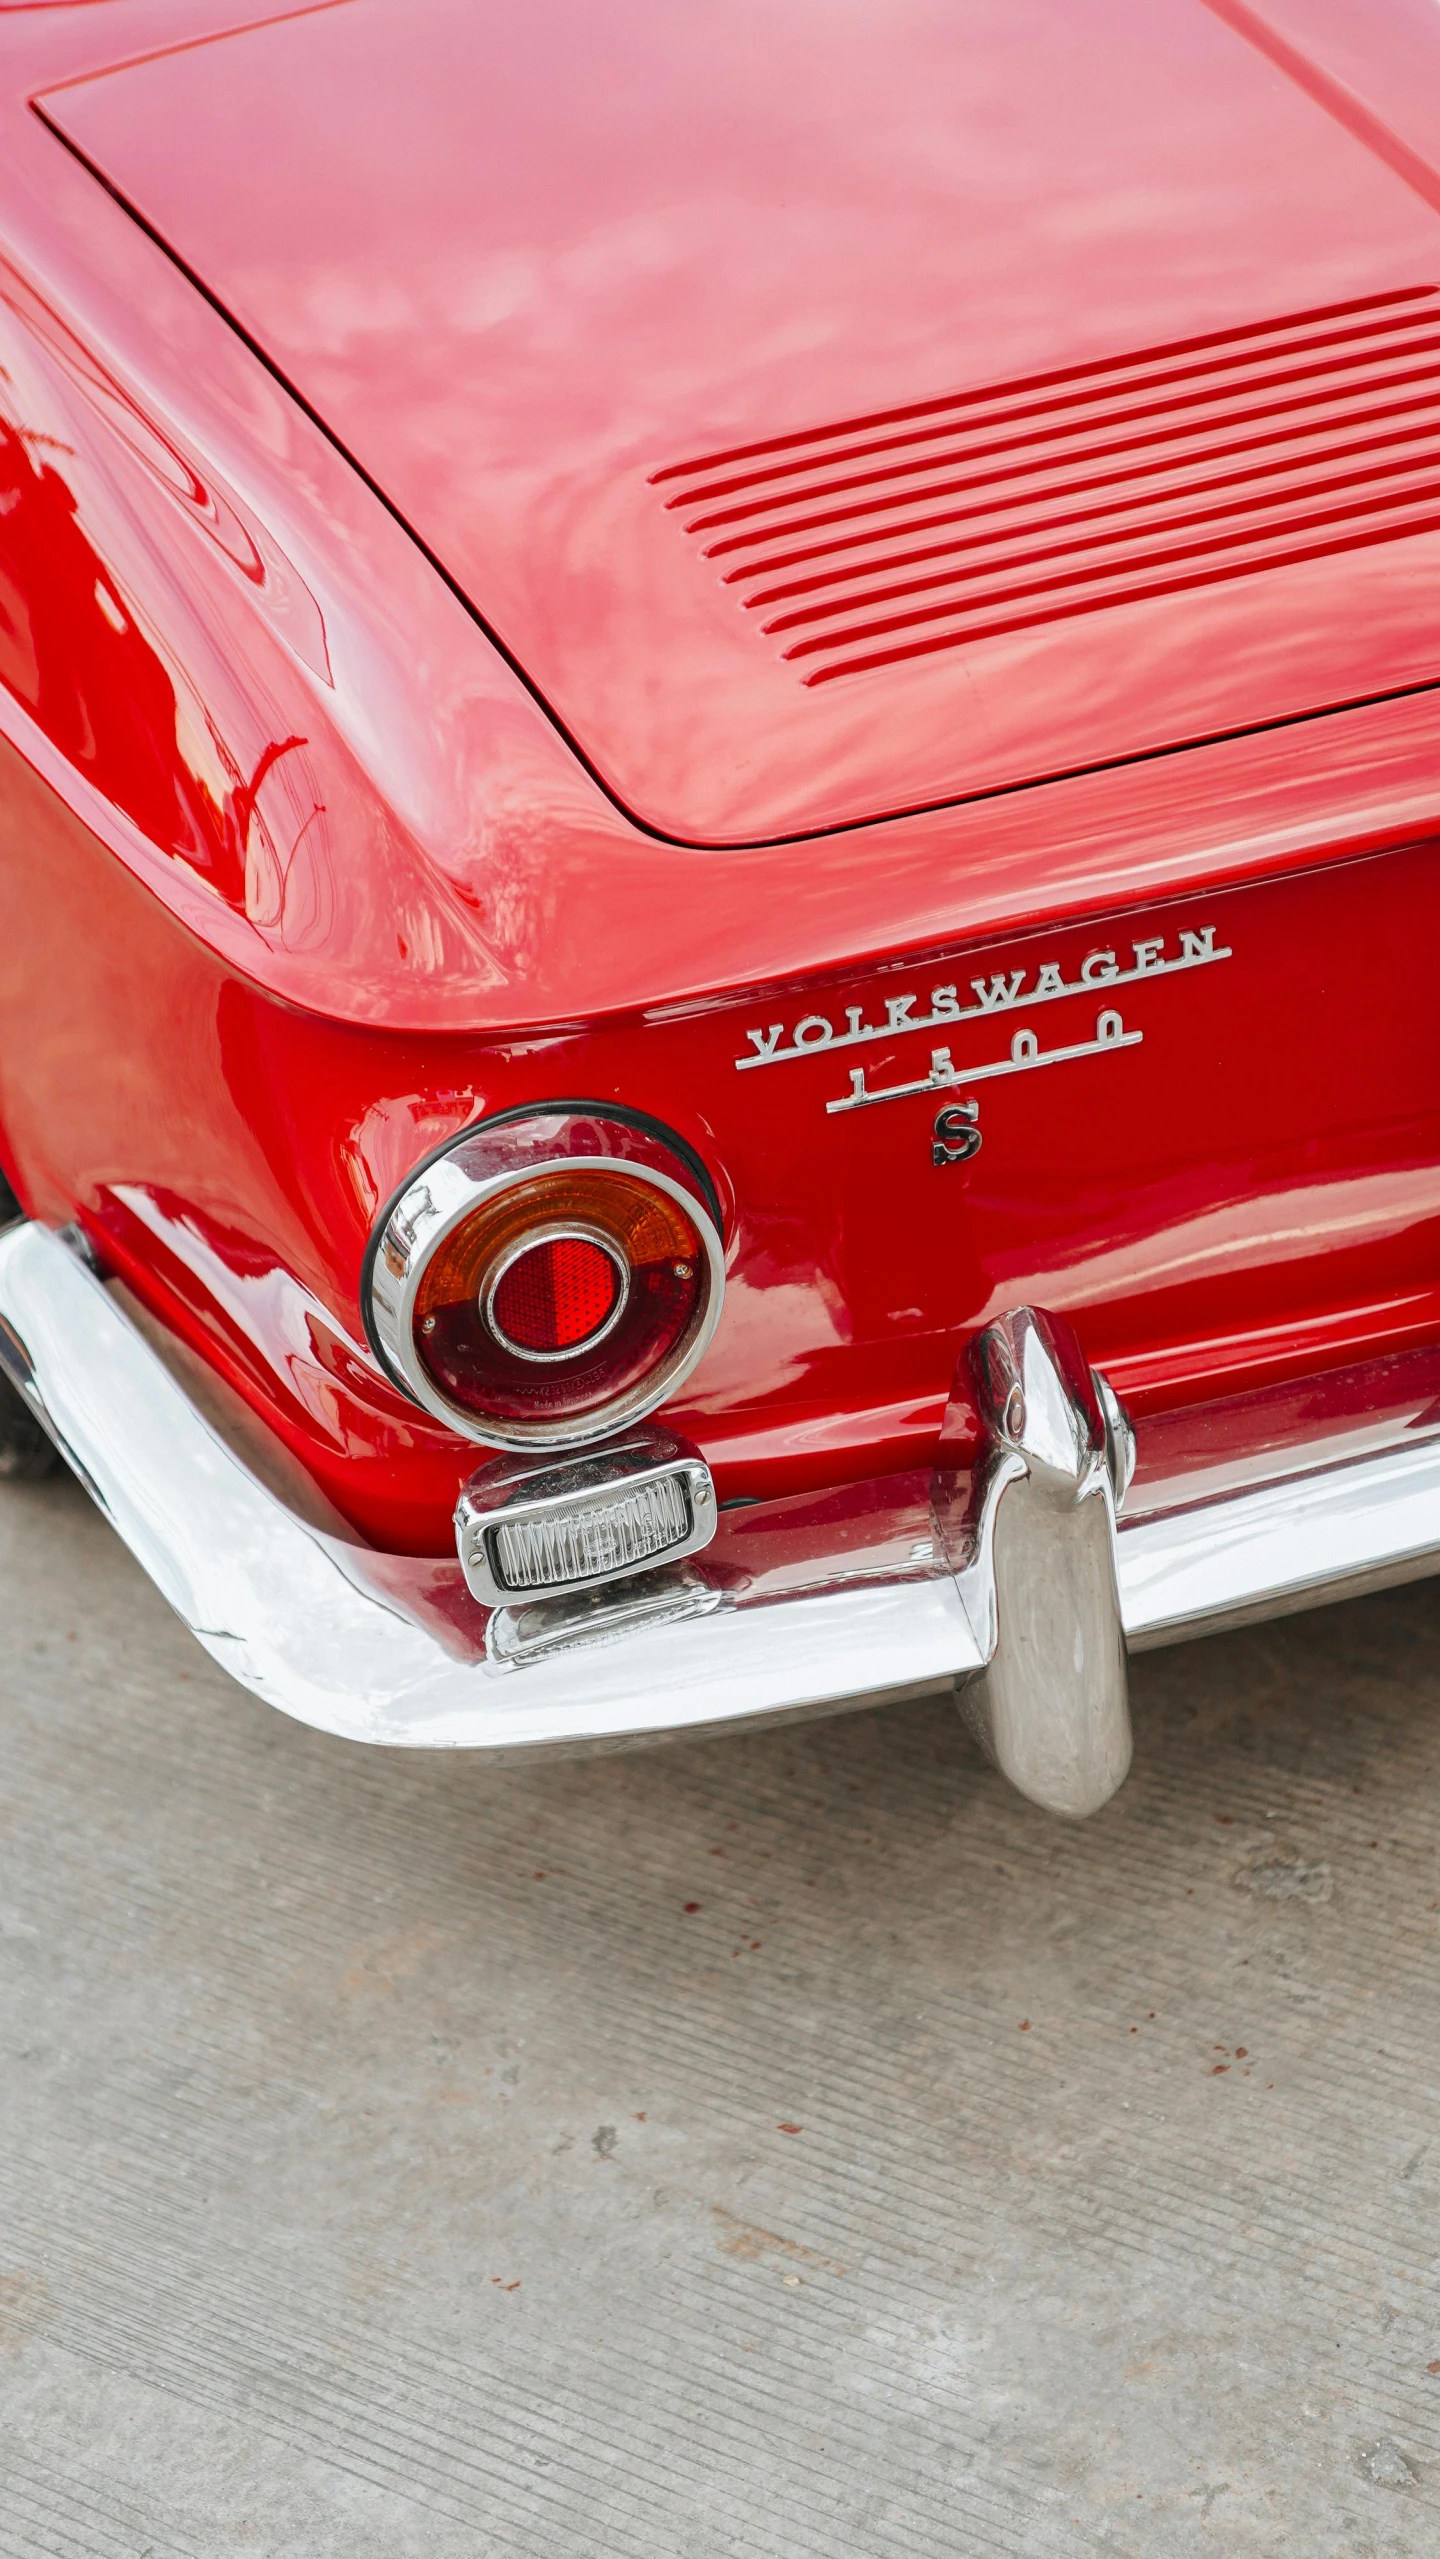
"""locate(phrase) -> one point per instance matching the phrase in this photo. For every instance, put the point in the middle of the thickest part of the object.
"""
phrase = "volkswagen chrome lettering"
(1004, 991)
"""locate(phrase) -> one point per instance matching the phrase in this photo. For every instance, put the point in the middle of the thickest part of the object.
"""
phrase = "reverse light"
(549, 1278)
(532, 1529)
(610, 1534)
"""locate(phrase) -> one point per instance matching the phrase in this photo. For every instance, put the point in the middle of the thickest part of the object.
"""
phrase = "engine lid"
(838, 412)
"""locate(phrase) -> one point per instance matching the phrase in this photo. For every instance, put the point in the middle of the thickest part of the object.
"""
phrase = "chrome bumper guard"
(1005, 1571)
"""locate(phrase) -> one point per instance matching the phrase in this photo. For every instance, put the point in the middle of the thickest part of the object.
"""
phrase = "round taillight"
(548, 1279)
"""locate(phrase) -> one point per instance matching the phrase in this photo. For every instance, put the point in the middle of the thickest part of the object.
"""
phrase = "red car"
(716, 803)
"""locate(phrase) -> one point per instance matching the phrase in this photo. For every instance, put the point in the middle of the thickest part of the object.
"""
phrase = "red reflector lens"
(555, 1295)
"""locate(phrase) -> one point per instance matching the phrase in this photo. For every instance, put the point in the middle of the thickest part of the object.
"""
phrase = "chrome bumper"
(799, 1607)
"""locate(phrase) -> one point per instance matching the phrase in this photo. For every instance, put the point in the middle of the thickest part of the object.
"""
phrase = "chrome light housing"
(549, 1277)
(537, 1528)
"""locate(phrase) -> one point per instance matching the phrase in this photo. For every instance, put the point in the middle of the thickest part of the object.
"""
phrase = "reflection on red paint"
(73, 651)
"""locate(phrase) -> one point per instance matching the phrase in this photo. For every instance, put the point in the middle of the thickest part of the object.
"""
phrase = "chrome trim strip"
(1347, 1529)
(811, 1604)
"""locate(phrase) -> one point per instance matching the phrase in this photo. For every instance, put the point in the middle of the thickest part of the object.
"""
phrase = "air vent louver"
(922, 528)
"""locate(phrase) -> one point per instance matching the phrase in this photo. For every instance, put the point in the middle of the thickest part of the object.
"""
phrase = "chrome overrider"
(1029, 1528)
(1004, 1573)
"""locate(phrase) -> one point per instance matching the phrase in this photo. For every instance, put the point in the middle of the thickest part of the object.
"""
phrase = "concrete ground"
(786, 2145)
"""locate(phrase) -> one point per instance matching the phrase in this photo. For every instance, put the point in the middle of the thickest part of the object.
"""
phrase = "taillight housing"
(548, 1278)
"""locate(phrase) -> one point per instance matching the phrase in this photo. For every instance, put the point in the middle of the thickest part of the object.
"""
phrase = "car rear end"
(717, 959)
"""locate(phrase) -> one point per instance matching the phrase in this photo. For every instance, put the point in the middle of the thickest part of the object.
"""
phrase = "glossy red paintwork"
(298, 876)
(528, 265)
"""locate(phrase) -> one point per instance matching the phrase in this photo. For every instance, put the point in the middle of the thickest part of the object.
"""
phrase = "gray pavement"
(786, 2145)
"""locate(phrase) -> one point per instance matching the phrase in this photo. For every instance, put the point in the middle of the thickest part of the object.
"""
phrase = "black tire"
(25, 1450)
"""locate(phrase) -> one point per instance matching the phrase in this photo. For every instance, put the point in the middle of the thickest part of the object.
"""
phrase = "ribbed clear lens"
(607, 1535)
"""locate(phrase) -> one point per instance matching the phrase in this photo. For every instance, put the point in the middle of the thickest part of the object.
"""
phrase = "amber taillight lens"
(520, 1317)
(548, 1302)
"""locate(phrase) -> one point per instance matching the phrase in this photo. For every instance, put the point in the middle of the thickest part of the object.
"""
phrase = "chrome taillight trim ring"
(431, 1207)
(556, 1231)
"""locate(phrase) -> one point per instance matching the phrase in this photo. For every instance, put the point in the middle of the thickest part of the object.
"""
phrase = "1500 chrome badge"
(1006, 991)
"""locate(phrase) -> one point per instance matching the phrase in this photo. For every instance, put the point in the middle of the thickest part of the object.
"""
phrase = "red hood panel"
(836, 411)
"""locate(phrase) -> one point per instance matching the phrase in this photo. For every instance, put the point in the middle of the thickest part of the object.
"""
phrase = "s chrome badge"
(956, 1136)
